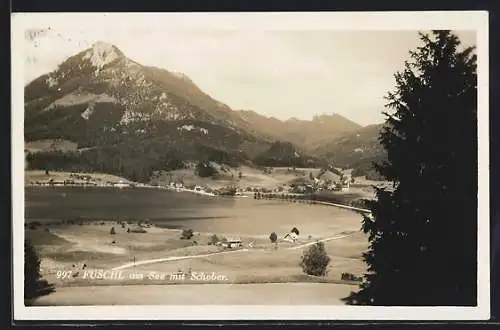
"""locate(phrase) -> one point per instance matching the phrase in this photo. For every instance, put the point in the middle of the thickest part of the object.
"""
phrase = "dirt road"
(153, 261)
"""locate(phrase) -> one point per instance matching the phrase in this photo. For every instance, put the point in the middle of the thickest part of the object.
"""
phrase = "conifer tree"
(423, 229)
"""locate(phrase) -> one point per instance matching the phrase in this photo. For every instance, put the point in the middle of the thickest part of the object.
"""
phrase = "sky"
(279, 73)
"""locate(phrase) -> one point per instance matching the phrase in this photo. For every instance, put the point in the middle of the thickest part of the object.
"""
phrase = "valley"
(123, 159)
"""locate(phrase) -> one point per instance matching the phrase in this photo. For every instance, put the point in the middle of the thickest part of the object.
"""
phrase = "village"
(297, 182)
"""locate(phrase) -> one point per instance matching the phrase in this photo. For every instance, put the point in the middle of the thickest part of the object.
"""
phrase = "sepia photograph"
(250, 165)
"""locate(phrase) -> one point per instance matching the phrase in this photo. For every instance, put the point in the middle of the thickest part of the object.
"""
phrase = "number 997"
(62, 274)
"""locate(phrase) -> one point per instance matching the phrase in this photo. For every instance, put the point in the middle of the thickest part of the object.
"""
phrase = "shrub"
(213, 240)
(273, 237)
(315, 260)
(31, 270)
(187, 234)
(351, 277)
(205, 169)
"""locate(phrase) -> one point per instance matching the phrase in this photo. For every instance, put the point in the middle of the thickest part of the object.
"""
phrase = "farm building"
(232, 242)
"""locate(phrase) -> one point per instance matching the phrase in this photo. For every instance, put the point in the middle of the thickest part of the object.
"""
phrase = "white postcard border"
(455, 20)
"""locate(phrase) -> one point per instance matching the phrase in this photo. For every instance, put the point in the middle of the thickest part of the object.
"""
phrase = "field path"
(154, 261)
(319, 240)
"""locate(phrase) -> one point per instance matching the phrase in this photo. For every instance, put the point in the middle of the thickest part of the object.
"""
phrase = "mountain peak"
(102, 53)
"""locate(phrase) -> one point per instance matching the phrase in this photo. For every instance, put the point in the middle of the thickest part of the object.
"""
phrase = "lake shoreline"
(290, 198)
(144, 234)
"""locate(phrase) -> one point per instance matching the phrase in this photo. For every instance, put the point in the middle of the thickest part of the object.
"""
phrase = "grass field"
(251, 177)
(50, 145)
(65, 248)
(241, 294)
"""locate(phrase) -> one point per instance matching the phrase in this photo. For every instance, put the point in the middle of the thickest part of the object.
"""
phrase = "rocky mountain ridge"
(131, 119)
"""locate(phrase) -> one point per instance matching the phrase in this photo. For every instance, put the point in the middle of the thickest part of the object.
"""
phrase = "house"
(121, 184)
(233, 242)
(330, 175)
(290, 237)
(346, 185)
(178, 184)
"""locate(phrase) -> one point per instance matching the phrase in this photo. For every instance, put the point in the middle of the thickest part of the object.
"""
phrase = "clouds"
(280, 73)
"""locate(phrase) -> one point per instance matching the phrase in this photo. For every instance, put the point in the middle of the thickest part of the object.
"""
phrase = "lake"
(238, 216)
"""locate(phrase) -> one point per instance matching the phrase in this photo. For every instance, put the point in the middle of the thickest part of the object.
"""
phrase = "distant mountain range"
(131, 119)
(306, 134)
(355, 150)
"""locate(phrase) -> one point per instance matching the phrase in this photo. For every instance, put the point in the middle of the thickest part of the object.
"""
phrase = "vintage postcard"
(299, 166)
